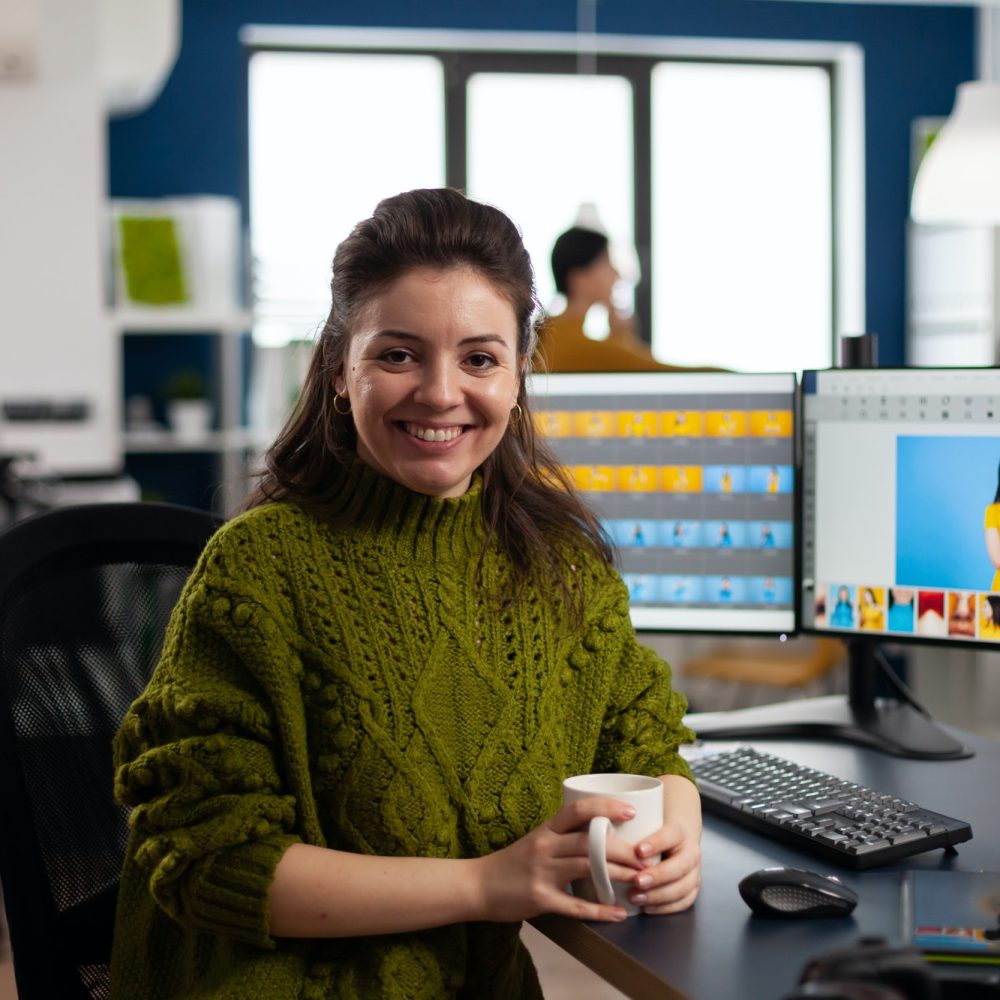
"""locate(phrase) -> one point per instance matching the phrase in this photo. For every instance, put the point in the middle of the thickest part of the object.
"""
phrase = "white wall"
(56, 341)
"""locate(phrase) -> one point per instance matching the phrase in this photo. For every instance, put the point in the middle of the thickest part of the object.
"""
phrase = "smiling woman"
(433, 268)
(346, 771)
(432, 374)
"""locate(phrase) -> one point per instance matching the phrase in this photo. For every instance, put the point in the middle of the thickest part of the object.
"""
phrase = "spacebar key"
(719, 793)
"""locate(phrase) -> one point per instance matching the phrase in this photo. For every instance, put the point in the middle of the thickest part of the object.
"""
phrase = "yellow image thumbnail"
(554, 423)
(681, 423)
(637, 478)
(725, 423)
(871, 608)
(594, 478)
(989, 616)
(682, 478)
(771, 423)
(637, 423)
(594, 423)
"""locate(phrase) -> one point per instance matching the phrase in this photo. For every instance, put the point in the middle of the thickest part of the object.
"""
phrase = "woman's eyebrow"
(396, 335)
(485, 338)
(479, 338)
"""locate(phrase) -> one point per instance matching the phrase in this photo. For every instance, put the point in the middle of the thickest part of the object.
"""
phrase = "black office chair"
(85, 595)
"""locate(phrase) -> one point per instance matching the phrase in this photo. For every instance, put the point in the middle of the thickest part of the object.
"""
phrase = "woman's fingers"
(575, 815)
(671, 885)
(667, 839)
(670, 898)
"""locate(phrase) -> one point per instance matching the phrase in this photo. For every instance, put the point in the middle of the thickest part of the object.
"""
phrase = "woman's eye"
(396, 356)
(481, 360)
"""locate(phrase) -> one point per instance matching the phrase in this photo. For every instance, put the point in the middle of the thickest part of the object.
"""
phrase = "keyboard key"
(907, 837)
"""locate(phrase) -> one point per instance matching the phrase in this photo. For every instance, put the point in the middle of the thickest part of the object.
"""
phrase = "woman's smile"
(436, 435)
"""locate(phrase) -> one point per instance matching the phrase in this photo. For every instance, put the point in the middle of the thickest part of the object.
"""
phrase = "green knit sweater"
(339, 677)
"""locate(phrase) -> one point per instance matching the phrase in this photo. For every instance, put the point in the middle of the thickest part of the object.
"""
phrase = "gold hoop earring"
(336, 399)
(515, 420)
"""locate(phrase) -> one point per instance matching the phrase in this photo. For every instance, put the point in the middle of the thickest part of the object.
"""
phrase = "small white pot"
(190, 419)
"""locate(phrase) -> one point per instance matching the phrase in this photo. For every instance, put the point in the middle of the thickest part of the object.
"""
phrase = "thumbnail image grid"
(700, 590)
(902, 611)
(698, 502)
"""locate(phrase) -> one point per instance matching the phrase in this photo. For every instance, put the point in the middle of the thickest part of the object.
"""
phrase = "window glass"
(544, 146)
(330, 135)
(742, 207)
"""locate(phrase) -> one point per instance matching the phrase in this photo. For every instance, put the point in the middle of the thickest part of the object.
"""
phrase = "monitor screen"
(693, 477)
(901, 504)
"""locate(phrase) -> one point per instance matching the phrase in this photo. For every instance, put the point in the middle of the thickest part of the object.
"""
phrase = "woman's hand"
(671, 884)
(531, 875)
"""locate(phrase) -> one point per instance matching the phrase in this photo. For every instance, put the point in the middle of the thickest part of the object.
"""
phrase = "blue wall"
(193, 139)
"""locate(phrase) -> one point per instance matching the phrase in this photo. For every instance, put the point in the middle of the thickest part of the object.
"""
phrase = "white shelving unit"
(231, 442)
(953, 307)
(953, 281)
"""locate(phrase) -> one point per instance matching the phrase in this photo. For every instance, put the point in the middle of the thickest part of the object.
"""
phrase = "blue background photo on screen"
(636, 532)
(682, 534)
(725, 534)
(779, 535)
(642, 587)
(840, 606)
(684, 589)
(725, 479)
(901, 609)
(943, 487)
(770, 479)
(725, 589)
(771, 589)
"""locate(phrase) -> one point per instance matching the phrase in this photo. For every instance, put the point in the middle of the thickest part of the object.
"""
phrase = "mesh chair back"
(85, 595)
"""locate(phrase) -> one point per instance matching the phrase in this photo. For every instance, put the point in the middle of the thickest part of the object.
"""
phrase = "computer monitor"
(900, 526)
(693, 476)
(901, 505)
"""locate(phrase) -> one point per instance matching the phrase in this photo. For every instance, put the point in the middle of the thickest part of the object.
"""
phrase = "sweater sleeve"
(212, 758)
(643, 724)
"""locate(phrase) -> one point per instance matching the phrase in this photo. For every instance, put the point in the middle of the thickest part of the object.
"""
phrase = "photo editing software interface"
(901, 503)
(693, 477)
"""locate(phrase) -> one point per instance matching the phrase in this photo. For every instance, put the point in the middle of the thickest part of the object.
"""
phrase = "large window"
(581, 158)
(718, 170)
(330, 135)
(742, 215)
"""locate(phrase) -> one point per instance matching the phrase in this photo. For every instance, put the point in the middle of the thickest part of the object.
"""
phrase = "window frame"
(465, 52)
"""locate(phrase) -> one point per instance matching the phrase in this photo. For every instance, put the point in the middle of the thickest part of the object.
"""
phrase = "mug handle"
(597, 842)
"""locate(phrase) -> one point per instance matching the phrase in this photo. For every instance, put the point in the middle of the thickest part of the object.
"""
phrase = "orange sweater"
(564, 347)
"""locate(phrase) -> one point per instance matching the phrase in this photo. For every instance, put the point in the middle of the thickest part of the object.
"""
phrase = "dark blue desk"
(717, 951)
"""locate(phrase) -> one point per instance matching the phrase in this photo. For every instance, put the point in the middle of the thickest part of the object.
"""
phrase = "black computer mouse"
(795, 892)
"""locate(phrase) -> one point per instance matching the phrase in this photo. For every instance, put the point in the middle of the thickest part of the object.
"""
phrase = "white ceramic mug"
(645, 795)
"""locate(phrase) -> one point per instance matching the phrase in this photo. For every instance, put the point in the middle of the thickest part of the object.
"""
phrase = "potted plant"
(189, 411)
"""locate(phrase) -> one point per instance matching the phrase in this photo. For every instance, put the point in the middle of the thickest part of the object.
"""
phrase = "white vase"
(190, 419)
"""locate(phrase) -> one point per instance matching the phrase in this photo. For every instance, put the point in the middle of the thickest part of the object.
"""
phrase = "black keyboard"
(842, 822)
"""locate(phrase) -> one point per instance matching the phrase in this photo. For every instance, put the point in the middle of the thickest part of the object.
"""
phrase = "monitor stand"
(899, 727)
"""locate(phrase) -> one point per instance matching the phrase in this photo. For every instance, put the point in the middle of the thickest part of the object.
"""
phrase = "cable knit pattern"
(341, 677)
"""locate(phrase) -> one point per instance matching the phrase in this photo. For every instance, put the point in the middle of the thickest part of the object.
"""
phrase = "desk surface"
(717, 951)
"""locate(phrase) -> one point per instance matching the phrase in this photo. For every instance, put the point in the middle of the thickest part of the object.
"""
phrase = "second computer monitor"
(693, 477)
(901, 504)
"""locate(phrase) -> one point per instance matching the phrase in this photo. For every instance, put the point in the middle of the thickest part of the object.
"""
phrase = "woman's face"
(432, 374)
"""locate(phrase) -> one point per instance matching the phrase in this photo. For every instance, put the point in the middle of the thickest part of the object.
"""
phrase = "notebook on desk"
(953, 916)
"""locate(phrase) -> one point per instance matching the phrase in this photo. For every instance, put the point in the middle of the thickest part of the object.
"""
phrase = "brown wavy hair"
(528, 503)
